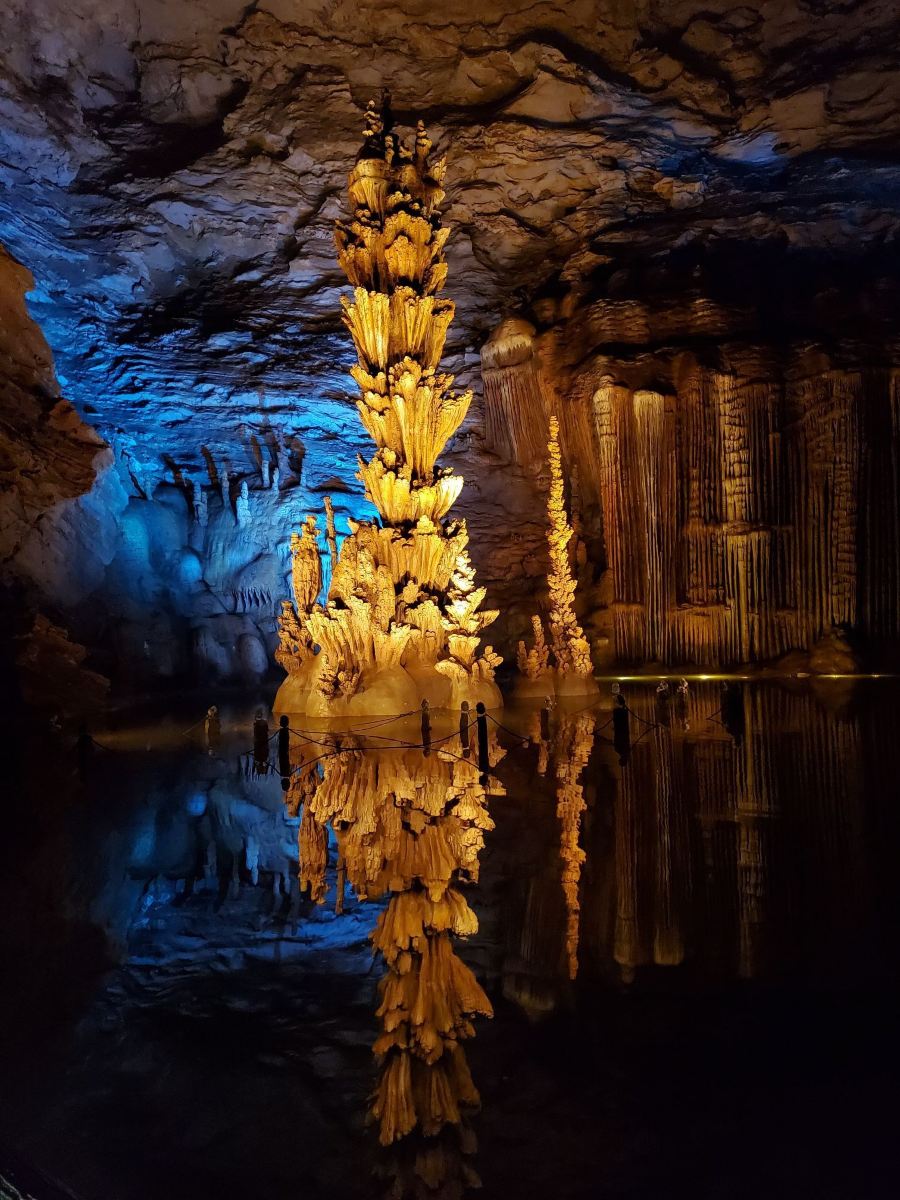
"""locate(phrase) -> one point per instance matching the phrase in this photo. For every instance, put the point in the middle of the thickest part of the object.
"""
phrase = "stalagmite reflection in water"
(710, 844)
(409, 826)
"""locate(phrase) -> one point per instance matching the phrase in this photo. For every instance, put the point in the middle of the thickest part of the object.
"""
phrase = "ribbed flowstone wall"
(746, 519)
(747, 510)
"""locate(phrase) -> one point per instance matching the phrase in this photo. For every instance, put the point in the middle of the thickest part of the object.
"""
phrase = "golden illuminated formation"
(534, 662)
(569, 647)
(411, 827)
(576, 741)
(402, 620)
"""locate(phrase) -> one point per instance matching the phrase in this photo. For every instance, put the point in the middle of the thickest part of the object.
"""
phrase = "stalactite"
(330, 532)
(655, 448)
(312, 851)
(242, 505)
(201, 510)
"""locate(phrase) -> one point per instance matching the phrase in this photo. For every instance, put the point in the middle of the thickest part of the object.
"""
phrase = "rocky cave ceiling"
(170, 173)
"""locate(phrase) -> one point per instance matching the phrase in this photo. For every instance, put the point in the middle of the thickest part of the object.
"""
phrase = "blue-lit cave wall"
(175, 570)
(201, 559)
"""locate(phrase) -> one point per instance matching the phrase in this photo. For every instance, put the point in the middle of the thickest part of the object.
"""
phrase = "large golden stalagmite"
(403, 620)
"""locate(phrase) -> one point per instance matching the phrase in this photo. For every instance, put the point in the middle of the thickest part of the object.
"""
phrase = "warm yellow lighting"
(569, 648)
(411, 828)
(403, 618)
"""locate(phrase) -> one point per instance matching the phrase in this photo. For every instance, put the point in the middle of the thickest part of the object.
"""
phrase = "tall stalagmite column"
(402, 620)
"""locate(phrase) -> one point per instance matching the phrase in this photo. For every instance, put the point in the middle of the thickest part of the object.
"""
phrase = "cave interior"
(673, 249)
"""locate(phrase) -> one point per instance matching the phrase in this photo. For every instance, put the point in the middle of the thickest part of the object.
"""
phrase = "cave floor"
(178, 1021)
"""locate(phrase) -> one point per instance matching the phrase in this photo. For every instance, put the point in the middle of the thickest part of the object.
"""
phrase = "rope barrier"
(305, 735)
(518, 736)
(643, 720)
(99, 745)
(305, 738)
(398, 745)
(376, 724)
(269, 767)
(590, 704)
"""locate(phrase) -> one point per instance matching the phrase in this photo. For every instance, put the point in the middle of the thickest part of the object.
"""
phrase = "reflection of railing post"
(465, 739)
(545, 718)
(484, 764)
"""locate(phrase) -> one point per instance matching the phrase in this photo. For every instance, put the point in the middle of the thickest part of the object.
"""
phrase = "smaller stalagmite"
(570, 651)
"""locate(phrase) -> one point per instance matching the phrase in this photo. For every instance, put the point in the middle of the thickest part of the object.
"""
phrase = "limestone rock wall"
(163, 579)
(58, 504)
(742, 507)
(58, 500)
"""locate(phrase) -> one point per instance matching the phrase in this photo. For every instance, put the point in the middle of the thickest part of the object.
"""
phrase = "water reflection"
(719, 825)
(570, 745)
(409, 825)
(699, 838)
(668, 797)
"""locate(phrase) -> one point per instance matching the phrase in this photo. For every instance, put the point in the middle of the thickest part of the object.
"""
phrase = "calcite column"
(707, 563)
(624, 530)
(403, 617)
(412, 829)
(515, 411)
(671, 847)
(756, 792)
(879, 514)
(655, 445)
(824, 436)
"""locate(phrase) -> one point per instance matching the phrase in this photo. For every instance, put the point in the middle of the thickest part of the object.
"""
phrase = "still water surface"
(650, 965)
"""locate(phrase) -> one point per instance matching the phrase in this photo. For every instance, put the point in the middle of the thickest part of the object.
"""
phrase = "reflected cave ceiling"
(170, 173)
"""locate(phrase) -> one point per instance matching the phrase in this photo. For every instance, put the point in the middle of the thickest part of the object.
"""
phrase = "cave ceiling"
(170, 172)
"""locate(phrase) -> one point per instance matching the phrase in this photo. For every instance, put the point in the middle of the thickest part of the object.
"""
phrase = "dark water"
(688, 940)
